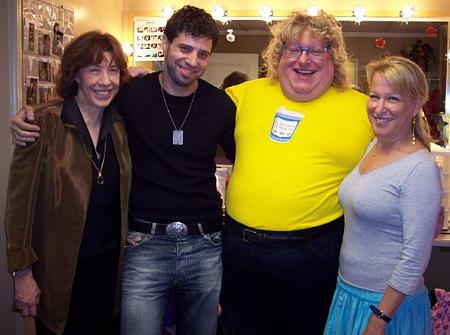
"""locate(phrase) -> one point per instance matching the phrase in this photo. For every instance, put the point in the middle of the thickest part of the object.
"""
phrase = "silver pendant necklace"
(177, 133)
(100, 179)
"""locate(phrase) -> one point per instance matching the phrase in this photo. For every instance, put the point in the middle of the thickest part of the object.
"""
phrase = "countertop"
(443, 240)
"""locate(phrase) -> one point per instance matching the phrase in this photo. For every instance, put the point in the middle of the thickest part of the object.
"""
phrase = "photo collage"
(147, 40)
(47, 28)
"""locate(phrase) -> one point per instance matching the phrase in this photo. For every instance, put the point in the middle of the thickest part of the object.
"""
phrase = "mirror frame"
(386, 19)
(370, 18)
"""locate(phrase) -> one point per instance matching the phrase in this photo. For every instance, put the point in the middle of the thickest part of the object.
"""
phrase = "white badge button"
(284, 125)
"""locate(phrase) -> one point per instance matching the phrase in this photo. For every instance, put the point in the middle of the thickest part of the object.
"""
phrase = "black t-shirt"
(176, 182)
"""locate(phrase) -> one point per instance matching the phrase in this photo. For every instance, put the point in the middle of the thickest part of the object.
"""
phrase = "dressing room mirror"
(424, 42)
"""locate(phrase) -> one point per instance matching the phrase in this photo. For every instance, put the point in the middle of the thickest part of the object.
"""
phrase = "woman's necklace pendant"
(100, 179)
(177, 137)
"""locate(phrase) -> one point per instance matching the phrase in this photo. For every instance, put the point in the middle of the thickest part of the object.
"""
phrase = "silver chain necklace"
(177, 133)
(100, 179)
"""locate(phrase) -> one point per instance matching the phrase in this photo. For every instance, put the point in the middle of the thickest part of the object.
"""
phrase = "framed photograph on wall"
(148, 35)
(44, 43)
(29, 36)
(44, 94)
(31, 90)
(47, 29)
(45, 71)
(58, 40)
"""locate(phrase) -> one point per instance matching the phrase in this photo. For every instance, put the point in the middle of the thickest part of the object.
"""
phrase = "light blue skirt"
(350, 312)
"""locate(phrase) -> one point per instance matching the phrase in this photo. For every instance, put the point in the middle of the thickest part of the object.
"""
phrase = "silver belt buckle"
(176, 229)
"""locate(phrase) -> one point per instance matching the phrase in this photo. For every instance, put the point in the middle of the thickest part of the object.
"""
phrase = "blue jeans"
(155, 266)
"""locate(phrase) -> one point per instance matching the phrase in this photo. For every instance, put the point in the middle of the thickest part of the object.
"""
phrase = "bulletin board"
(47, 29)
(148, 34)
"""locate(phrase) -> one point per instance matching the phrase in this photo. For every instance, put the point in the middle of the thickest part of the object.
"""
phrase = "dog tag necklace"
(177, 133)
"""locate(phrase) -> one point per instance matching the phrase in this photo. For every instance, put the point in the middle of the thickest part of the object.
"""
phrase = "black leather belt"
(176, 229)
(251, 235)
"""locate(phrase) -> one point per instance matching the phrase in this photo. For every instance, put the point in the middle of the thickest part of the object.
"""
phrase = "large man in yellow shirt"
(299, 132)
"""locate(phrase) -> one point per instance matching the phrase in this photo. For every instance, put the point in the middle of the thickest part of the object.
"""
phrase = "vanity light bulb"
(407, 12)
(312, 10)
(219, 14)
(266, 13)
(167, 12)
(359, 13)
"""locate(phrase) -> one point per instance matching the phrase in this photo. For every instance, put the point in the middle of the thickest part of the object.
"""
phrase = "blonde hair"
(406, 77)
(322, 26)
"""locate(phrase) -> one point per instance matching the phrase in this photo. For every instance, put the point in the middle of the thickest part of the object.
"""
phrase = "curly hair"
(88, 49)
(193, 21)
(406, 77)
(322, 26)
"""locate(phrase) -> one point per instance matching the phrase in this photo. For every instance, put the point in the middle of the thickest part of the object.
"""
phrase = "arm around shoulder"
(23, 128)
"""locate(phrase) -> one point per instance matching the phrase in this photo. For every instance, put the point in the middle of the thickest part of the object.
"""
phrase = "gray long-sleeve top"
(390, 219)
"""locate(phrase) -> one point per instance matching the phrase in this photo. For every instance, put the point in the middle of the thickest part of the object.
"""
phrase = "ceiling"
(424, 8)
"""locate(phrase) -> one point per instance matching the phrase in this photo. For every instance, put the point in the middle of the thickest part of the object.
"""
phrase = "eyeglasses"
(294, 51)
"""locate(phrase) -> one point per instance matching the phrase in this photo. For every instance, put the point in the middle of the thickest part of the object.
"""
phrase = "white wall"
(93, 14)
(10, 324)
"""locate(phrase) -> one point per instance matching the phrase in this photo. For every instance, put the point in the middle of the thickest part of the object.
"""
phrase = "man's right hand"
(22, 129)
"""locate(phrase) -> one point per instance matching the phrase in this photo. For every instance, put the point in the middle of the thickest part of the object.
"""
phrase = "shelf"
(437, 150)
(443, 240)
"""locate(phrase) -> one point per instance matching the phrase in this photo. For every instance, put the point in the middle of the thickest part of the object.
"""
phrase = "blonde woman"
(391, 203)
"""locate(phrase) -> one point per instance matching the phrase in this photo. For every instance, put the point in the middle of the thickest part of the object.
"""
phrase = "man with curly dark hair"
(194, 21)
(175, 120)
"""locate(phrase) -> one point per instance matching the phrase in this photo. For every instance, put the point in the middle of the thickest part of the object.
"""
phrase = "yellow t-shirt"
(288, 168)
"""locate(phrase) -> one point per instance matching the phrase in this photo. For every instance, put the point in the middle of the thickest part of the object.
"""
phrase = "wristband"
(379, 314)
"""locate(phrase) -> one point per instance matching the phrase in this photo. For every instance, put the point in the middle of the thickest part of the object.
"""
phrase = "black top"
(102, 227)
(176, 182)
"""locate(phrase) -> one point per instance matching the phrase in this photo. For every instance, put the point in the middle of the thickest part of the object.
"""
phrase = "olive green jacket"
(48, 195)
